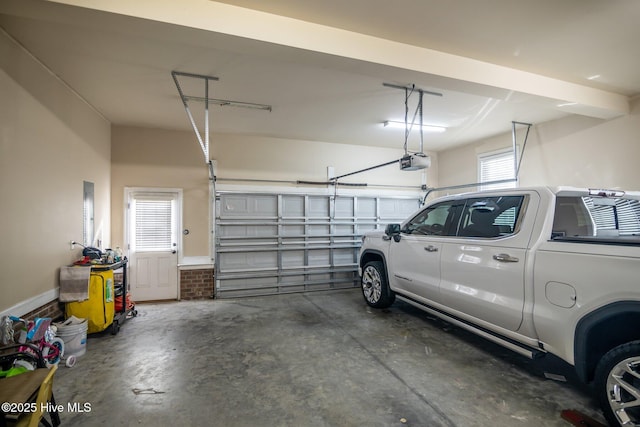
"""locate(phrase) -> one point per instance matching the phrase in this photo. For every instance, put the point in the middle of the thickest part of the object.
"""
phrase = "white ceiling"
(504, 61)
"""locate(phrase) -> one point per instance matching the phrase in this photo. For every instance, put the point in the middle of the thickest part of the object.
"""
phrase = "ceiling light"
(594, 77)
(425, 128)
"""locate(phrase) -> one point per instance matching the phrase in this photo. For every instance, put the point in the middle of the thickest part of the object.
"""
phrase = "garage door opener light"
(401, 125)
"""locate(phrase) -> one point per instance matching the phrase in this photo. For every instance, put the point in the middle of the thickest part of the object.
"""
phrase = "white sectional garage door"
(270, 243)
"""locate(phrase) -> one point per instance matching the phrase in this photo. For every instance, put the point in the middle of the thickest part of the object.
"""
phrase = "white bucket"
(74, 335)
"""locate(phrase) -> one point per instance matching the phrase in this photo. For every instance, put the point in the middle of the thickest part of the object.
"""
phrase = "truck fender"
(602, 330)
(372, 254)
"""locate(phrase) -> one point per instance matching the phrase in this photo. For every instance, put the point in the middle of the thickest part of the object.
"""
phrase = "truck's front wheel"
(375, 288)
(618, 384)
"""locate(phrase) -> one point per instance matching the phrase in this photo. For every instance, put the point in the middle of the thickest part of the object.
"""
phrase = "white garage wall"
(576, 151)
(143, 157)
(252, 157)
(50, 142)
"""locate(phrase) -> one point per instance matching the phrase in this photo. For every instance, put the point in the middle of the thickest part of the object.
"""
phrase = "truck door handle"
(505, 258)
(431, 248)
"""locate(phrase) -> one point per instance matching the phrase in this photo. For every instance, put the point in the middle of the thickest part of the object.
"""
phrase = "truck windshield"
(596, 217)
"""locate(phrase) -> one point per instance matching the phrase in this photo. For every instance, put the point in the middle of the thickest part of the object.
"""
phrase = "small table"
(21, 388)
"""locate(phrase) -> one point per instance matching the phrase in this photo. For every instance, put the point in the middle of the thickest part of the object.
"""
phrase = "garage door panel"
(248, 260)
(318, 207)
(292, 206)
(343, 229)
(292, 258)
(364, 228)
(279, 243)
(366, 207)
(319, 258)
(344, 207)
(240, 287)
(343, 256)
(292, 230)
(318, 230)
(250, 230)
(234, 206)
(316, 241)
(242, 283)
(396, 208)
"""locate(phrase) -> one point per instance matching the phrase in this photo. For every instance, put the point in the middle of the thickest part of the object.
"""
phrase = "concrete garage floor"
(316, 359)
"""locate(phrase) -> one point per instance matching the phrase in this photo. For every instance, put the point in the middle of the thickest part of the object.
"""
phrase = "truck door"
(483, 267)
(415, 258)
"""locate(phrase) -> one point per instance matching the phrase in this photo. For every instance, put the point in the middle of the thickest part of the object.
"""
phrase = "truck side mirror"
(393, 230)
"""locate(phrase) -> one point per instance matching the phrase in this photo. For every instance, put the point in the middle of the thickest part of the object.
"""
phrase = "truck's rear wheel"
(375, 288)
(618, 384)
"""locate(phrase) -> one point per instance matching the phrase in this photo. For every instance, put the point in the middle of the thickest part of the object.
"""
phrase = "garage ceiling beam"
(338, 43)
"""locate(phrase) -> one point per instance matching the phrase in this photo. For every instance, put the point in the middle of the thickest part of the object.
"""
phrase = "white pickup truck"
(538, 270)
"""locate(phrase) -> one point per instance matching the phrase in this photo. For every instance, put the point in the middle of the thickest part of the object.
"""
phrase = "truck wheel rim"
(371, 284)
(623, 391)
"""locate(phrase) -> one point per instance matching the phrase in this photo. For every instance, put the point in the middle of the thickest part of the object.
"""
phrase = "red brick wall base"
(53, 309)
(196, 284)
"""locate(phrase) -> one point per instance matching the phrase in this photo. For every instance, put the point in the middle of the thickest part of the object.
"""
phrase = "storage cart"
(127, 308)
(99, 309)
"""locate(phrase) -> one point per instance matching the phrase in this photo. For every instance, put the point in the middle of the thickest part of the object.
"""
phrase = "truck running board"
(512, 345)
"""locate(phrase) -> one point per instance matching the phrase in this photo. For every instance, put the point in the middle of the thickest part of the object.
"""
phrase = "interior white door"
(153, 244)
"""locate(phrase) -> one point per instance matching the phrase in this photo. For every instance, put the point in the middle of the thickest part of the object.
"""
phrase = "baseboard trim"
(32, 303)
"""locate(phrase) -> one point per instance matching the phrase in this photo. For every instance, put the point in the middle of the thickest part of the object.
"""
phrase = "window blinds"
(495, 167)
(153, 224)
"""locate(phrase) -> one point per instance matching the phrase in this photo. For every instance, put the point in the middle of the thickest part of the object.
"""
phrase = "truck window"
(608, 217)
(490, 216)
(615, 217)
(571, 218)
(438, 220)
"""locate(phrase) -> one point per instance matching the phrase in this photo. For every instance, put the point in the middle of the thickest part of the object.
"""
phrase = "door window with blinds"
(154, 222)
(496, 166)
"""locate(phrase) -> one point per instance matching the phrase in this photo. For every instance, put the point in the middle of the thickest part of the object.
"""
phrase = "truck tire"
(375, 288)
(617, 383)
